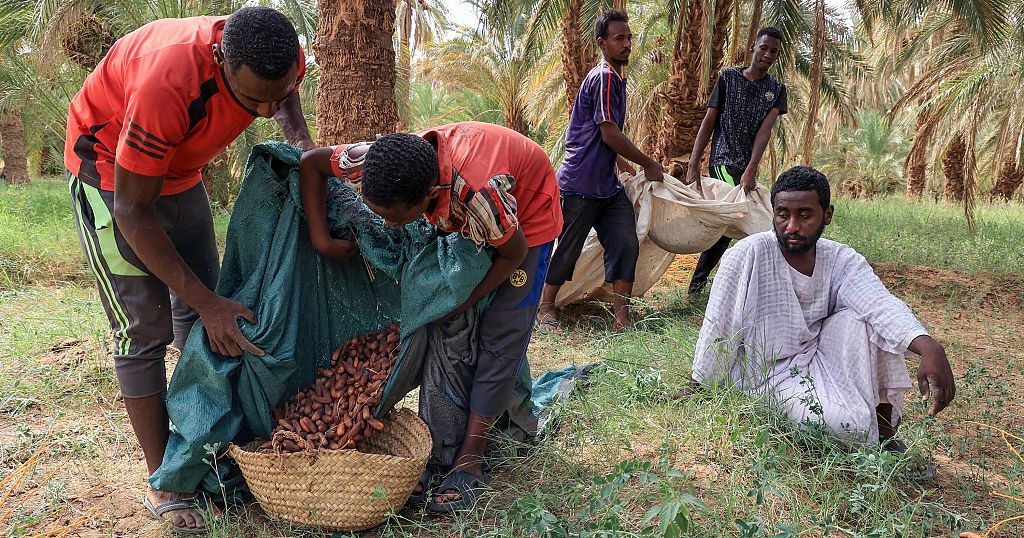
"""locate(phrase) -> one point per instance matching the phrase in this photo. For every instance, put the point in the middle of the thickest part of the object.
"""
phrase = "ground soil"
(976, 316)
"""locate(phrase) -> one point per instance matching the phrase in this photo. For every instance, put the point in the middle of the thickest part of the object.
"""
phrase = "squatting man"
(806, 323)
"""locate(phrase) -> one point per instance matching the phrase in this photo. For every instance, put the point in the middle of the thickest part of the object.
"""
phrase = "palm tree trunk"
(734, 36)
(355, 99)
(1011, 176)
(12, 142)
(755, 26)
(685, 98)
(577, 54)
(817, 59)
(619, 5)
(404, 75)
(216, 178)
(953, 168)
(917, 157)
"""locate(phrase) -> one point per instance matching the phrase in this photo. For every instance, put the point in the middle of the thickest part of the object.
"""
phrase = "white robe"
(827, 348)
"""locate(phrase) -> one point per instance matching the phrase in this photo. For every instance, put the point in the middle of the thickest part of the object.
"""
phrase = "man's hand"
(653, 171)
(337, 249)
(693, 178)
(624, 166)
(220, 317)
(934, 376)
(749, 180)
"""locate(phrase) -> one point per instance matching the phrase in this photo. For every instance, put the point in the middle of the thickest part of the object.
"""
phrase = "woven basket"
(341, 490)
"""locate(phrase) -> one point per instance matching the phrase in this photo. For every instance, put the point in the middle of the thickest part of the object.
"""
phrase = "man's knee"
(139, 377)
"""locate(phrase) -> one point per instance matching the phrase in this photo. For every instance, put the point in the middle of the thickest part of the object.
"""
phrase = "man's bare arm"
(621, 145)
(135, 196)
(293, 123)
(764, 133)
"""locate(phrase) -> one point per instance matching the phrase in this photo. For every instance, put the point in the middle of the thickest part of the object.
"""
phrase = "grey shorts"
(145, 317)
(504, 334)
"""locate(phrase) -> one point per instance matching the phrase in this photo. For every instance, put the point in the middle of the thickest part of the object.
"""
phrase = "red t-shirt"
(157, 104)
(501, 180)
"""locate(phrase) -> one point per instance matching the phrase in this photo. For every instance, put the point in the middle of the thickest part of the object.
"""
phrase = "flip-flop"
(552, 325)
(426, 478)
(469, 486)
(159, 510)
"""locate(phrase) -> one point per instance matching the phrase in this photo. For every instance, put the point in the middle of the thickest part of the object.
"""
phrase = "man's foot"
(460, 490)
(621, 325)
(183, 512)
(547, 318)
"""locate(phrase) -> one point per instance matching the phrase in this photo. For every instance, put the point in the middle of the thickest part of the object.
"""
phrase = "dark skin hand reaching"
(134, 198)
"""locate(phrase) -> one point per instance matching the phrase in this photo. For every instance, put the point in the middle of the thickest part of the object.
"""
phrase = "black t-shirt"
(742, 106)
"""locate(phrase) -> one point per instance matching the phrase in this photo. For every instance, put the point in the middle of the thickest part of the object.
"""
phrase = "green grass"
(624, 459)
(38, 243)
(891, 229)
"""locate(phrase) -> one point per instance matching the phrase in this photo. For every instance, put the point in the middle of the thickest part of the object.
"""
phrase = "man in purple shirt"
(592, 196)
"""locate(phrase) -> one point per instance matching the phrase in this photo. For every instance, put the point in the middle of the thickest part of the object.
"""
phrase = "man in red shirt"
(496, 188)
(165, 100)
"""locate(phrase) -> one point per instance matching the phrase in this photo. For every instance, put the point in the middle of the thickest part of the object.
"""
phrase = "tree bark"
(355, 99)
(917, 157)
(755, 27)
(87, 42)
(735, 45)
(685, 95)
(1011, 176)
(577, 54)
(12, 142)
(817, 61)
(953, 168)
(217, 179)
(404, 75)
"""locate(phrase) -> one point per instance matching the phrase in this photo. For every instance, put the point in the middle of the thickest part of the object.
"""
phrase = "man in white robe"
(806, 323)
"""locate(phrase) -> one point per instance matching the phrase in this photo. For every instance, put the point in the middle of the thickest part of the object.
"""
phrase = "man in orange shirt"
(165, 100)
(496, 188)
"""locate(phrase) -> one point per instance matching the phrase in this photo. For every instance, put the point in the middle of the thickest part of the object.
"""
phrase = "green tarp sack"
(305, 306)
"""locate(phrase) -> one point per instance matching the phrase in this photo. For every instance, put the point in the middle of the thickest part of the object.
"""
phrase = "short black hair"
(803, 178)
(769, 31)
(399, 167)
(601, 27)
(263, 39)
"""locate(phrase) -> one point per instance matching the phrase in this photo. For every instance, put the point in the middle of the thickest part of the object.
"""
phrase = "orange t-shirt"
(158, 105)
(501, 181)
(498, 179)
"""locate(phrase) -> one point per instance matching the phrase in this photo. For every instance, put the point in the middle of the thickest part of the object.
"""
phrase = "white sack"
(684, 223)
(681, 219)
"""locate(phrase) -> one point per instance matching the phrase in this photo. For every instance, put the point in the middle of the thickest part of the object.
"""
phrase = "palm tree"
(699, 47)
(355, 99)
(953, 168)
(866, 159)
(418, 21)
(1011, 175)
(495, 63)
(959, 54)
(817, 61)
(12, 141)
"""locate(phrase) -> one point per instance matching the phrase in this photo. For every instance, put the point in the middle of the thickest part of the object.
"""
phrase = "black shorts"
(615, 222)
(145, 316)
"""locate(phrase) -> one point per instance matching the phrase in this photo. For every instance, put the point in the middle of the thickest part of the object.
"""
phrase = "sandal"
(469, 486)
(426, 479)
(158, 511)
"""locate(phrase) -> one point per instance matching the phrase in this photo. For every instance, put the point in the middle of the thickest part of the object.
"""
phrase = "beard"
(805, 244)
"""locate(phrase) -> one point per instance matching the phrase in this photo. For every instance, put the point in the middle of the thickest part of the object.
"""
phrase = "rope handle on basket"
(281, 435)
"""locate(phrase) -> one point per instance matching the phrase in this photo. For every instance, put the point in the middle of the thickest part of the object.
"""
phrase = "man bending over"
(805, 322)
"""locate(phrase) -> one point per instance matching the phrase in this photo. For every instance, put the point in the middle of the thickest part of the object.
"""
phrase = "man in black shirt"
(742, 111)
